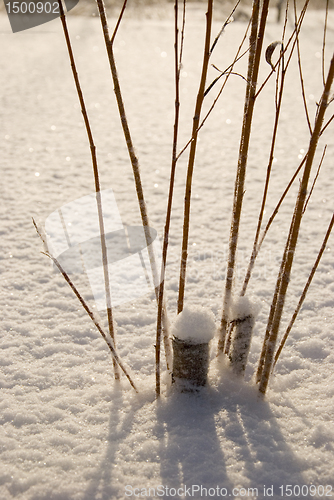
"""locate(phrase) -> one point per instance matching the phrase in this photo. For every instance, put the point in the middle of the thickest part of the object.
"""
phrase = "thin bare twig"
(255, 43)
(287, 261)
(315, 178)
(257, 244)
(256, 249)
(228, 21)
(303, 295)
(135, 169)
(177, 67)
(119, 20)
(270, 221)
(291, 39)
(280, 201)
(192, 154)
(219, 77)
(110, 344)
(227, 72)
(182, 34)
(326, 125)
(96, 178)
(324, 43)
(300, 70)
(278, 101)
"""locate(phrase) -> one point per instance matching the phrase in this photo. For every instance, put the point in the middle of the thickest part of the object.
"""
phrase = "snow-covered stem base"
(241, 343)
(192, 330)
(190, 365)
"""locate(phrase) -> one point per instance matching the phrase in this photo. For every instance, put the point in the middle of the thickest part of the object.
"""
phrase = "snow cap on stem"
(195, 325)
(242, 307)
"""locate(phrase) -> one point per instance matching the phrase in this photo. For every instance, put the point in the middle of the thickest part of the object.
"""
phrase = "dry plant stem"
(239, 182)
(227, 72)
(119, 20)
(270, 318)
(237, 58)
(192, 154)
(97, 181)
(257, 245)
(135, 168)
(324, 42)
(229, 19)
(177, 66)
(255, 44)
(285, 271)
(327, 124)
(273, 304)
(229, 68)
(276, 210)
(182, 33)
(300, 22)
(303, 295)
(257, 248)
(262, 359)
(315, 178)
(109, 343)
(300, 70)
(266, 187)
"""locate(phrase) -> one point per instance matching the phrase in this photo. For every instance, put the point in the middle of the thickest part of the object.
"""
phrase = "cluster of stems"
(229, 343)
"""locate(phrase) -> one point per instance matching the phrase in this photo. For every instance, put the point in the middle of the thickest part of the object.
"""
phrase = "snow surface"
(68, 432)
(195, 324)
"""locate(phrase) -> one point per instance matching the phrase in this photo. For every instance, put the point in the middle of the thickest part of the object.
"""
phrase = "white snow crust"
(67, 430)
(194, 324)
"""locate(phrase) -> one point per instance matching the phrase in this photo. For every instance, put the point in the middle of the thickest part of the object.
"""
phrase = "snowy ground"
(67, 431)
